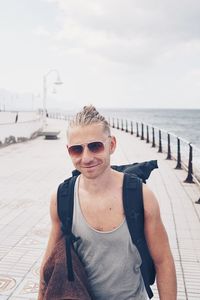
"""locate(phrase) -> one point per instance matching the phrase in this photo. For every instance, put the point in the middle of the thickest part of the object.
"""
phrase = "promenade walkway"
(30, 171)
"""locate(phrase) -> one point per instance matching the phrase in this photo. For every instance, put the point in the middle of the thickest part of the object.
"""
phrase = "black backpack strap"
(134, 211)
(65, 206)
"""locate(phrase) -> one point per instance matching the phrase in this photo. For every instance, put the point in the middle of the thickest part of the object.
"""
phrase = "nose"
(87, 155)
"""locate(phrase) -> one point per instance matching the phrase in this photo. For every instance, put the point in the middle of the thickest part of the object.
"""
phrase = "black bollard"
(137, 130)
(117, 123)
(122, 125)
(113, 126)
(178, 166)
(126, 126)
(153, 138)
(131, 127)
(160, 142)
(142, 131)
(147, 133)
(189, 178)
(169, 156)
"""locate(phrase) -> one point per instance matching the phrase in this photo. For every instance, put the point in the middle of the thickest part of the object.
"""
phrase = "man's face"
(90, 149)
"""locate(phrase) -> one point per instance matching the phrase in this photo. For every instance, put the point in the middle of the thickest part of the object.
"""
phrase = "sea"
(184, 123)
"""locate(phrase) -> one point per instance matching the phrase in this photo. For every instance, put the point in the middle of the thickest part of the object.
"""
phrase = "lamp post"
(58, 82)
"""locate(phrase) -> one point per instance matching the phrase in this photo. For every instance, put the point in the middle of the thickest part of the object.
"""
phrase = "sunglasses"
(94, 147)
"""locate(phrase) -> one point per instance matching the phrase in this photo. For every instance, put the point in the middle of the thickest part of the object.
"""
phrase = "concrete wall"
(28, 125)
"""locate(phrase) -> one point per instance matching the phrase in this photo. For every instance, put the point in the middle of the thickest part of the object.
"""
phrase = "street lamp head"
(58, 81)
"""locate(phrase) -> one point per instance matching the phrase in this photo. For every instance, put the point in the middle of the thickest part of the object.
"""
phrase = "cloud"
(41, 31)
(131, 32)
(107, 50)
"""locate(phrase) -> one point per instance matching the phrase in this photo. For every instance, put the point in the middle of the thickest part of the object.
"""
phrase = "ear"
(113, 144)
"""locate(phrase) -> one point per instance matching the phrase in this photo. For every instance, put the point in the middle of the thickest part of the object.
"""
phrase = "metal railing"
(166, 142)
(186, 155)
(182, 151)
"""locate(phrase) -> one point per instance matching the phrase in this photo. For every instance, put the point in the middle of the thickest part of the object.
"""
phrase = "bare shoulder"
(56, 231)
(151, 206)
(155, 232)
(53, 208)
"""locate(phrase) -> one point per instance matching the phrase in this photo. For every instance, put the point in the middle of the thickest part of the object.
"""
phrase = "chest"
(102, 212)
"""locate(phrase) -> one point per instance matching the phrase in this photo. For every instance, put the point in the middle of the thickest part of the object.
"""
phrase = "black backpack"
(134, 175)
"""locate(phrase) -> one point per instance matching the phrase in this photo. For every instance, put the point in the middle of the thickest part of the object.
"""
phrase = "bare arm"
(54, 236)
(158, 243)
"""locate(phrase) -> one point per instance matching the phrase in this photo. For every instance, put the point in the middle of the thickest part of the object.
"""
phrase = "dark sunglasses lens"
(75, 150)
(96, 147)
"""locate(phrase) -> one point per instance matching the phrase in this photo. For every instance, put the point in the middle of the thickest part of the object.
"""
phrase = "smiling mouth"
(89, 167)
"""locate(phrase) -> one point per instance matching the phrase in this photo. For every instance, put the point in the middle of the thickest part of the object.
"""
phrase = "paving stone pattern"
(31, 171)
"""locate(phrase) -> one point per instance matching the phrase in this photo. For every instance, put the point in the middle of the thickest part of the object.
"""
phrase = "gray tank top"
(110, 259)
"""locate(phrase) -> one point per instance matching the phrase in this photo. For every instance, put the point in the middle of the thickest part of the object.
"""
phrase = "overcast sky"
(110, 53)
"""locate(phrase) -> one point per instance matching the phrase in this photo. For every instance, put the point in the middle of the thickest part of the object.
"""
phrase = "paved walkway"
(30, 171)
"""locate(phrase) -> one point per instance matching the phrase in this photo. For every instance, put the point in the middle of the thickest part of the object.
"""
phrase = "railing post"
(153, 138)
(113, 126)
(126, 126)
(137, 130)
(178, 166)
(160, 142)
(147, 133)
(131, 127)
(142, 131)
(117, 123)
(189, 178)
(122, 125)
(169, 156)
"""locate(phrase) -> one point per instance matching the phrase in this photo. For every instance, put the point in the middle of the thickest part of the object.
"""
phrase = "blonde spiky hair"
(87, 116)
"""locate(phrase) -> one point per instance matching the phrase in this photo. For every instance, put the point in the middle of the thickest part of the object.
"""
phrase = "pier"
(31, 171)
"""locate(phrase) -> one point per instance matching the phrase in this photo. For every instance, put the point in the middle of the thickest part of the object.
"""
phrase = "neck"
(101, 183)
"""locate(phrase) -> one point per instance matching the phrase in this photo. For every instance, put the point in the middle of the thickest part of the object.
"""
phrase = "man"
(111, 261)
